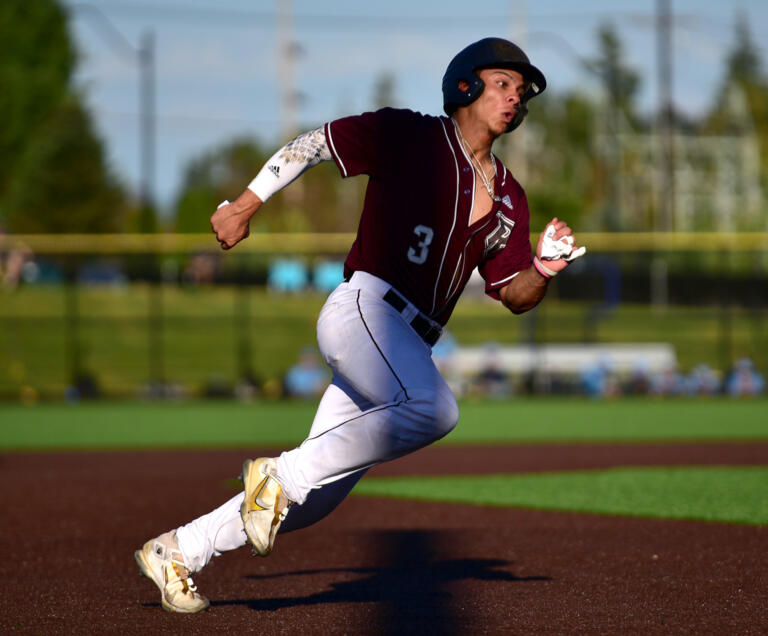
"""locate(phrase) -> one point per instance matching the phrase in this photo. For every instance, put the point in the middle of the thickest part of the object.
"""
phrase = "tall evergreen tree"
(60, 184)
(36, 63)
(53, 174)
(743, 63)
(620, 81)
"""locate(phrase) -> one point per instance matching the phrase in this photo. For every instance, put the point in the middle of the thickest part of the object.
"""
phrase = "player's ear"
(463, 86)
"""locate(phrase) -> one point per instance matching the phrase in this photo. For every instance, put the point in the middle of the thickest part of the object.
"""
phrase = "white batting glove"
(552, 250)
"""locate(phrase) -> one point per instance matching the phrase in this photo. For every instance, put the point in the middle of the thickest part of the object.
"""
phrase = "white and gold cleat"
(161, 561)
(265, 505)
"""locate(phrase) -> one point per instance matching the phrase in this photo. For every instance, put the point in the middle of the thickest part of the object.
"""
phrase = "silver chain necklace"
(477, 166)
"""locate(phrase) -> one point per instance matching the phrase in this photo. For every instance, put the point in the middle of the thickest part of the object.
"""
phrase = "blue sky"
(217, 63)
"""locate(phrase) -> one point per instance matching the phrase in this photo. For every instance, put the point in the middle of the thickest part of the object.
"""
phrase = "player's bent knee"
(438, 412)
(447, 413)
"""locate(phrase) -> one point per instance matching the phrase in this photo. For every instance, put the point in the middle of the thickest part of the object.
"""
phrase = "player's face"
(500, 100)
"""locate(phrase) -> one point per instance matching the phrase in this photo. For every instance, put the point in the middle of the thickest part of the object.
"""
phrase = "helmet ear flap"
(476, 86)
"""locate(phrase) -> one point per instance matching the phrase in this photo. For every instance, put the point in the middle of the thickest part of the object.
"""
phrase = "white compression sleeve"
(290, 162)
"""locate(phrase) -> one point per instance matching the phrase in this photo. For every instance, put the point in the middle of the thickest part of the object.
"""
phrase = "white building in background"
(716, 177)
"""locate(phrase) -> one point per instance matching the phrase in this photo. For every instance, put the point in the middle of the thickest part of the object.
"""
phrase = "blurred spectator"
(12, 265)
(444, 351)
(599, 380)
(218, 386)
(639, 381)
(84, 387)
(247, 387)
(444, 357)
(744, 380)
(703, 380)
(668, 382)
(201, 269)
(308, 377)
(492, 381)
(101, 273)
(40, 270)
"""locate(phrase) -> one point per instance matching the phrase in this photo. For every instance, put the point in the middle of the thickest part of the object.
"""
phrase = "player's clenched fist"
(230, 221)
(230, 225)
(556, 249)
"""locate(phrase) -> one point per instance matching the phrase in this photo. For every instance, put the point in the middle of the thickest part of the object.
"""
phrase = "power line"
(188, 120)
(252, 18)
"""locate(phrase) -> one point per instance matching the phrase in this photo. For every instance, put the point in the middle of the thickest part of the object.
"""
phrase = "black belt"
(428, 332)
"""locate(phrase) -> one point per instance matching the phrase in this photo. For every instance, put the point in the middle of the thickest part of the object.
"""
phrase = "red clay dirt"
(375, 566)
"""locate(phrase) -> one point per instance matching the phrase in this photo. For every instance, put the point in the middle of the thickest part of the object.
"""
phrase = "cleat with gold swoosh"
(265, 505)
(161, 561)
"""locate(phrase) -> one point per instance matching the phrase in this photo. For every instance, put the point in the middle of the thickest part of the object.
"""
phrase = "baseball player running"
(438, 204)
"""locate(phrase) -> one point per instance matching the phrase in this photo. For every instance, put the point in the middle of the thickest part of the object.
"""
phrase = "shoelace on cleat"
(187, 584)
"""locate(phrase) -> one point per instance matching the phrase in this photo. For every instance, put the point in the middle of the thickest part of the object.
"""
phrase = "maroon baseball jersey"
(415, 229)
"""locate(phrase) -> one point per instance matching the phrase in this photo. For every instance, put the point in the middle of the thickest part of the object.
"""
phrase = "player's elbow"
(518, 308)
(516, 303)
(524, 292)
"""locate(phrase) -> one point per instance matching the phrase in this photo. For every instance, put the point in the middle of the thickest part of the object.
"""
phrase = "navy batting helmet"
(489, 53)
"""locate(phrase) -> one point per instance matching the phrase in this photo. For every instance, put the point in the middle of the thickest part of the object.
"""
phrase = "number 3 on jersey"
(419, 254)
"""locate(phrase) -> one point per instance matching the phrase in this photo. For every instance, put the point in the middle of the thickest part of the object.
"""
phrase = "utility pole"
(666, 201)
(287, 52)
(146, 58)
(666, 212)
(517, 145)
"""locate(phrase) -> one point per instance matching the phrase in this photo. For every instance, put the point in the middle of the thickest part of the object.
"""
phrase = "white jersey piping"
(462, 260)
(450, 287)
(333, 149)
(469, 161)
(504, 280)
(453, 226)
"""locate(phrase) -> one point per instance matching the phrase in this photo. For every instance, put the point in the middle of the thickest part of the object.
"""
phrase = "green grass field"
(212, 424)
(714, 493)
(720, 493)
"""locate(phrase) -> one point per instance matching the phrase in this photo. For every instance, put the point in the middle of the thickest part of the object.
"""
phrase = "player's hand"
(556, 249)
(230, 222)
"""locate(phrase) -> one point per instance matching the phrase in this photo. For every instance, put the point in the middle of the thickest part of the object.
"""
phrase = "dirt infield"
(72, 521)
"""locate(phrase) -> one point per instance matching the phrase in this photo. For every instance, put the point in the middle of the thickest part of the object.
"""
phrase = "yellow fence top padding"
(339, 243)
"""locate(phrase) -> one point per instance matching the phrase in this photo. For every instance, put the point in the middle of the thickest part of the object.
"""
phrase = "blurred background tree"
(588, 154)
(224, 172)
(592, 155)
(744, 79)
(60, 183)
(53, 173)
(560, 170)
(384, 91)
(620, 82)
(325, 202)
(213, 177)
